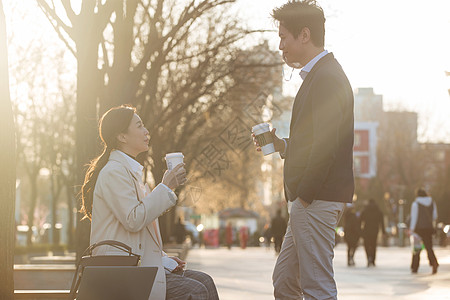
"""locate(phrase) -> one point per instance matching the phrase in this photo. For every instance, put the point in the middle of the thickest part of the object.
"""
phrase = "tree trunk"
(88, 84)
(70, 227)
(33, 197)
(8, 174)
(56, 187)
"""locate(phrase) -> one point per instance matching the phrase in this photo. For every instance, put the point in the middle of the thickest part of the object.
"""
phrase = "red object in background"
(211, 237)
(243, 236)
(229, 235)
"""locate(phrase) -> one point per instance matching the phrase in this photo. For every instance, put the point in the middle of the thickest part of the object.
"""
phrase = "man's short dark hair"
(296, 15)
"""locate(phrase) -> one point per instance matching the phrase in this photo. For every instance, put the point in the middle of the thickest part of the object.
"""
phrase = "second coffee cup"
(264, 138)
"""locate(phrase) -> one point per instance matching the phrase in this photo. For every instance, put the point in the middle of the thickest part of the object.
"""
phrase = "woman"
(122, 208)
(423, 214)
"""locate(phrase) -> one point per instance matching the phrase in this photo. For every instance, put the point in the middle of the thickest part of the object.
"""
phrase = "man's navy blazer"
(319, 157)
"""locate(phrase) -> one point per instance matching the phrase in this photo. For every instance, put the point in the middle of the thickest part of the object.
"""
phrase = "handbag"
(416, 243)
(87, 259)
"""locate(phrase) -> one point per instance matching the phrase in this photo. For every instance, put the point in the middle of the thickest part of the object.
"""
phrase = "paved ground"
(246, 274)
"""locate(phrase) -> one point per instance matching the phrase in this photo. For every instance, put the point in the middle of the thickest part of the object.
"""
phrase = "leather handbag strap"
(112, 243)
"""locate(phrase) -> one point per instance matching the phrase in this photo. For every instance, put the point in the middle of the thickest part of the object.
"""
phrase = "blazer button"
(140, 246)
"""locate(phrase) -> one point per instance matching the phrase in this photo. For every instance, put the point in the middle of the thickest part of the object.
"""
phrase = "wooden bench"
(52, 281)
(43, 277)
(41, 294)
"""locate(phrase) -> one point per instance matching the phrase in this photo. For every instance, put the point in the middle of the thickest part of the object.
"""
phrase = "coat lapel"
(299, 98)
(141, 191)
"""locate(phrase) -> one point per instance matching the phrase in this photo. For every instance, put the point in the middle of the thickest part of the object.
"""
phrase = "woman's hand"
(175, 177)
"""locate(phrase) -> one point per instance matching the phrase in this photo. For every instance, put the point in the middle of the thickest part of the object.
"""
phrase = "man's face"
(292, 48)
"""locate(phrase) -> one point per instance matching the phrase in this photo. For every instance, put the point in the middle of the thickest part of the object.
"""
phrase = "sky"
(401, 48)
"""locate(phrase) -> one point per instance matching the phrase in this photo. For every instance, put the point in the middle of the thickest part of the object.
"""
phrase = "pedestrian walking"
(122, 208)
(371, 222)
(229, 235)
(180, 232)
(267, 236)
(352, 232)
(318, 172)
(423, 215)
(243, 236)
(278, 230)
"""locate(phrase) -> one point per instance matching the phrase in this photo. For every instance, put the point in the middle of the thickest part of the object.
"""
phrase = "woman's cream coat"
(120, 214)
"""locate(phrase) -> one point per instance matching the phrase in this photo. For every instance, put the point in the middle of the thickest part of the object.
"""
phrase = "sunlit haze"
(400, 48)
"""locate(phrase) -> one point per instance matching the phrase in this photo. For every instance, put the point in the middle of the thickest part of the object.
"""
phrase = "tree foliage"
(174, 60)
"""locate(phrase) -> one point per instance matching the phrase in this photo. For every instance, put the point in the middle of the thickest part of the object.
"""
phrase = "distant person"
(352, 232)
(180, 232)
(423, 215)
(267, 236)
(122, 208)
(243, 236)
(278, 230)
(371, 222)
(229, 235)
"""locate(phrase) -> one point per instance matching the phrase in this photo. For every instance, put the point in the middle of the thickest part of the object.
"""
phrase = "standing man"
(318, 173)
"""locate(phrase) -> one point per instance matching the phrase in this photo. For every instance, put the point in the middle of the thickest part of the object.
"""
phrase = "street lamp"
(447, 73)
(401, 224)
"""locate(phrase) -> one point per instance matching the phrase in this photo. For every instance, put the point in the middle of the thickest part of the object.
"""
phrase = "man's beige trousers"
(304, 269)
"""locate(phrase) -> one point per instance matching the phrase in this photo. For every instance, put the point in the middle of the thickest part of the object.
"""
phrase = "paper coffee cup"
(264, 138)
(174, 159)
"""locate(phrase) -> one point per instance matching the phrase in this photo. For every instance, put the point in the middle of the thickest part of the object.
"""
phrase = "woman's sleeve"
(118, 190)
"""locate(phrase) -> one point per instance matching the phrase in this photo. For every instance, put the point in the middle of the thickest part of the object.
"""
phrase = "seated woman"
(122, 208)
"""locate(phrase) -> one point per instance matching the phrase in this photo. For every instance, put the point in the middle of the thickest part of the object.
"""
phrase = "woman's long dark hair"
(112, 123)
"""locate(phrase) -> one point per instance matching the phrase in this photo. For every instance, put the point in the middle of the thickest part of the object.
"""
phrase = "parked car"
(192, 232)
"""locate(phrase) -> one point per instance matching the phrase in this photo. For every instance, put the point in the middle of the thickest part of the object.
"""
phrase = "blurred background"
(202, 73)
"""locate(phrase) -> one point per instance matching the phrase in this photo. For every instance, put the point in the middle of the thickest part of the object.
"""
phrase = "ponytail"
(90, 179)
(114, 121)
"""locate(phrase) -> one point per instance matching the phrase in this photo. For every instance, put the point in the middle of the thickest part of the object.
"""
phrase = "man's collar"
(308, 67)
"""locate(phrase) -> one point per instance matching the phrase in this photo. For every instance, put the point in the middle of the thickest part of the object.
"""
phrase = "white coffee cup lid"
(174, 155)
(261, 127)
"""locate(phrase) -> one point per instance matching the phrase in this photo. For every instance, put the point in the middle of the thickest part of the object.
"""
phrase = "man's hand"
(181, 263)
(277, 142)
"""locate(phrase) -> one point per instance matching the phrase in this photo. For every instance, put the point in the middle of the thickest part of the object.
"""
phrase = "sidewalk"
(246, 274)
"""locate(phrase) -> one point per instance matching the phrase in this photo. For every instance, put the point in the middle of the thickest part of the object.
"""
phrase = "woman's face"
(136, 139)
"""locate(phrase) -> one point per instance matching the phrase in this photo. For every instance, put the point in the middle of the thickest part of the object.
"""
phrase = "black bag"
(87, 259)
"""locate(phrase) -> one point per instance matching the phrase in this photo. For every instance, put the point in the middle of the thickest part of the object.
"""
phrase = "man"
(352, 230)
(423, 220)
(278, 228)
(318, 173)
(180, 232)
(371, 221)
